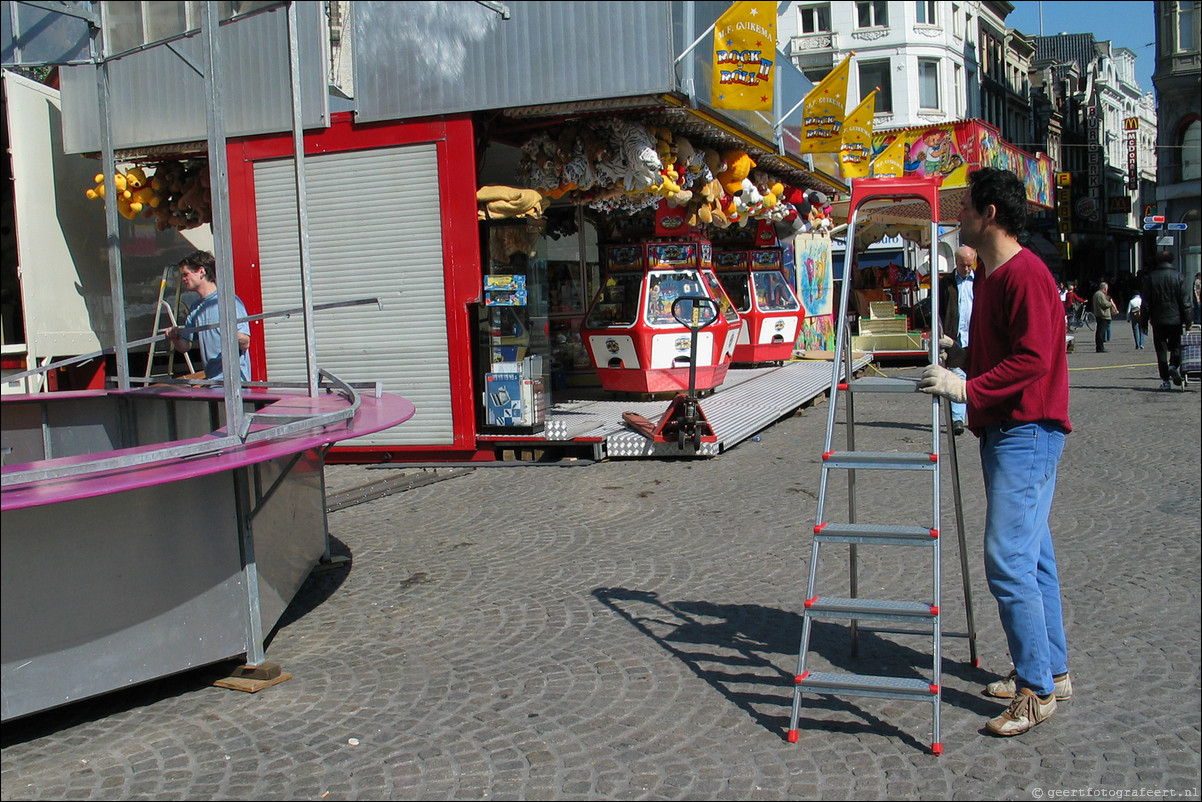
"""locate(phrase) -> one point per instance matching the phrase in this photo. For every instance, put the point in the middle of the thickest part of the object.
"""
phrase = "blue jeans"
(1138, 332)
(1019, 461)
(958, 410)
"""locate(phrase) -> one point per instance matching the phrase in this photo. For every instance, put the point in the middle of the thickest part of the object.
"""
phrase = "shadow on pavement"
(736, 649)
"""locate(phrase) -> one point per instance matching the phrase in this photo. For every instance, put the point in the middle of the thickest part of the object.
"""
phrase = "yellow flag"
(855, 156)
(892, 160)
(745, 56)
(822, 120)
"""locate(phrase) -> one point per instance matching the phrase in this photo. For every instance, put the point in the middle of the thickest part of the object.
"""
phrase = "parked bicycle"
(1081, 317)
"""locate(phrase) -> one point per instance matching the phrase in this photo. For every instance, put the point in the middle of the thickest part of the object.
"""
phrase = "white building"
(921, 55)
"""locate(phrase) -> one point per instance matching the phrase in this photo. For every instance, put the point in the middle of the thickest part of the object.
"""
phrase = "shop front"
(474, 200)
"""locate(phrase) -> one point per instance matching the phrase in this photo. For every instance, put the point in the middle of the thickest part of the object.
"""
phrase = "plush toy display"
(500, 203)
(616, 165)
(123, 193)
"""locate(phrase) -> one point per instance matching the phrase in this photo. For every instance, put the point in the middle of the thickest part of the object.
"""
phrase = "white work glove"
(937, 380)
(951, 353)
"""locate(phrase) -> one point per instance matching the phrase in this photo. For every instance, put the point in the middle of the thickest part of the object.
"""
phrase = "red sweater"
(1017, 369)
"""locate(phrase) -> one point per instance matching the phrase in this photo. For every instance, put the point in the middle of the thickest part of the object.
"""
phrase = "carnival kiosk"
(633, 339)
(756, 284)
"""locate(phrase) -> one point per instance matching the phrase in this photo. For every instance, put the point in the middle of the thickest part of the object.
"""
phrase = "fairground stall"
(566, 125)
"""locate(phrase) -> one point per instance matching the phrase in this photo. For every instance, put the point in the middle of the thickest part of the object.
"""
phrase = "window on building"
(872, 14)
(1187, 20)
(1191, 147)
(957, 23)
(928, 83)
(926, 12)
(816, 19)
(872, 75)
(958, 90)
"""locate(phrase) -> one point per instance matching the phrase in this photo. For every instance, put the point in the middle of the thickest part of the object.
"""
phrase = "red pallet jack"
(683, 421)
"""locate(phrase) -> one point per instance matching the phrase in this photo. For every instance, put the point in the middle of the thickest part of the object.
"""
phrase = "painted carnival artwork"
(814, 278)
(815, 290)
(817, 334)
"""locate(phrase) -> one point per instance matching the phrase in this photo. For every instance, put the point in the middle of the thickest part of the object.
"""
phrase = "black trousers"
(1102, 333)
(1166, 339)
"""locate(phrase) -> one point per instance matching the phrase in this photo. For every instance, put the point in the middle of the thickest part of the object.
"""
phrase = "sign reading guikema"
(745, 56)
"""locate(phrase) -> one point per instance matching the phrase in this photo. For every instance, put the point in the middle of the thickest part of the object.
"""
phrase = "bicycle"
(1081, 317)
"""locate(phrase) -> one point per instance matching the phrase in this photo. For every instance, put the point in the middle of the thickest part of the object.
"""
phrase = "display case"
(770, 312)
(634, 341)
(514, 345)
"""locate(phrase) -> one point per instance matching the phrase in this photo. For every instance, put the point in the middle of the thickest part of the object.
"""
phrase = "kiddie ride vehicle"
(633, 339)
(771, 314)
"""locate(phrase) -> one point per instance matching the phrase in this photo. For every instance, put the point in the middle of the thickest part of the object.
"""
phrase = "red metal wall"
(454, 141)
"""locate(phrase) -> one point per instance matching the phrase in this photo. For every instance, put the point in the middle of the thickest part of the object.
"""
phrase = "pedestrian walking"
(1017, 395)
(1167, 304)
(1103, 309)
(1135, 316)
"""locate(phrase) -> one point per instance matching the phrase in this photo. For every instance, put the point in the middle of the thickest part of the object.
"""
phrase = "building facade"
(1068, 95)
(1178, 80)
(920, 56)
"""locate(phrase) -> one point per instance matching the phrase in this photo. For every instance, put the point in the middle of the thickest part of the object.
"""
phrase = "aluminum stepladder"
(919, 616)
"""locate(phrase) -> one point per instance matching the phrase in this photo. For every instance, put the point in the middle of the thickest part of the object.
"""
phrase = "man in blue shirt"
(198, 273)
(957, 311)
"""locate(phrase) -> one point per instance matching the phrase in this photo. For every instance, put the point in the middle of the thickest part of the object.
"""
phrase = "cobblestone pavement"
(629, 630)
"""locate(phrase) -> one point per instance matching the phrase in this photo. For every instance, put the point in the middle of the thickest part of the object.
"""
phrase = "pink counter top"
(374, 414)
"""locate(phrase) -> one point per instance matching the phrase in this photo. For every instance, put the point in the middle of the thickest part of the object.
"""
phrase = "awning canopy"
(954, 150)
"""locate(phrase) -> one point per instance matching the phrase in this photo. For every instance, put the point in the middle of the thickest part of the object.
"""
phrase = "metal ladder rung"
(876, 609)
(880, 460)
(880, 384)
(866, 685)
(884, 534)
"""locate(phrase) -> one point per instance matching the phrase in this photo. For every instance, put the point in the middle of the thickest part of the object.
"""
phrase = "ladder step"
(880, 384)
(886, 460)
(884, 534)
(825, 682)
(878, 609)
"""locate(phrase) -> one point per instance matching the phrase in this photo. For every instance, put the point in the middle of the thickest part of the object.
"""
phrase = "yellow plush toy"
(738, 167)
(123, 193)
(141, 189)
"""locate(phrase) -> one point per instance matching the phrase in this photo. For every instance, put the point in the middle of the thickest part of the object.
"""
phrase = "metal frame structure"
(886, 193)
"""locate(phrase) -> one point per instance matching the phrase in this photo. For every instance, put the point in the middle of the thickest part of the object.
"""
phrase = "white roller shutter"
(374, 231)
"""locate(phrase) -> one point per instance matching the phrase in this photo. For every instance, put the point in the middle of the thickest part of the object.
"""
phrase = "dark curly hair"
(203, 260)
(1005, 191)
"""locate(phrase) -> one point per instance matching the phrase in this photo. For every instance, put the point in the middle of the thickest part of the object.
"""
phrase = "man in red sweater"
(1017, 395)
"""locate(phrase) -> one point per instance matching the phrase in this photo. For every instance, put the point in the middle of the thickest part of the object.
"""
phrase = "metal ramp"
(922, 616)
(749, 400)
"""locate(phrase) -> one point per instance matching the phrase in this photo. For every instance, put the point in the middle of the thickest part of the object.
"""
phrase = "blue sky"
(1127, 24)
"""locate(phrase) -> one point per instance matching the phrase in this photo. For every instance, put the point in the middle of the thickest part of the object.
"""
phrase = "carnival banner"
(824, 111)
(891, 161)
(745, 56)
(855, 155)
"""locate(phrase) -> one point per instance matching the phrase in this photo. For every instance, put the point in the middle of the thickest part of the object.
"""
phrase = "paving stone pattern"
(629, 630)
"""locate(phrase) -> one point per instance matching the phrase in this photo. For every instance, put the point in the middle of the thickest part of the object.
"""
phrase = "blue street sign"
(1153, 226)
(1178, 226)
